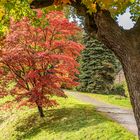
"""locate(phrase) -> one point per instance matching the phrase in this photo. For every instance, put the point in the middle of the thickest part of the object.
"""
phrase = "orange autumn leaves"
(40, 59)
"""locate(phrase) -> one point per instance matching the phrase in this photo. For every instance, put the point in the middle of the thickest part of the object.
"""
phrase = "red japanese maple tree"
(40, 59)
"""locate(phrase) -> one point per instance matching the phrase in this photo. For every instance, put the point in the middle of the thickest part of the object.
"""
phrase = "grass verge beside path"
(72, 120)
(111, 99)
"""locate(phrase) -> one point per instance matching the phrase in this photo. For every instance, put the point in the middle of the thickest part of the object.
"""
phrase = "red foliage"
(41, 58)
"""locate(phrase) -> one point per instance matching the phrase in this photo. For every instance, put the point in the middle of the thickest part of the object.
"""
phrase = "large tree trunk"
(132, 73)
(131, 66)
(126, 45)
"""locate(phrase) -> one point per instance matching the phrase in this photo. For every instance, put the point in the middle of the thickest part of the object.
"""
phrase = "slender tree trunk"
(40, 109)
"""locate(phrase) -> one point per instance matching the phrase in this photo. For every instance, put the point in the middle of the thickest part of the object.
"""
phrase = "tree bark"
(132, 73)
(40, 109)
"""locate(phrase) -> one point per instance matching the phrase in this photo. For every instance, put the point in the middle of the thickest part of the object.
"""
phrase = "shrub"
(119, 90)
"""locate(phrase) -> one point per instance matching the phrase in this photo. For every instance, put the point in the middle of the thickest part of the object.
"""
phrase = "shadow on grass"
(59, 120)
(3, 118)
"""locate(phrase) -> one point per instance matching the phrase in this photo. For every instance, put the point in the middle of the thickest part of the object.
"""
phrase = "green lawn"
(111, 99)
(72, 120)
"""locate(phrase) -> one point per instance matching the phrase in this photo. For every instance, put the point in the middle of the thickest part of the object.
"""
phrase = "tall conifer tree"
(98, 67)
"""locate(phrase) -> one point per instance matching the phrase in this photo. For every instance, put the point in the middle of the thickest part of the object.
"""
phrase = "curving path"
(125, 117)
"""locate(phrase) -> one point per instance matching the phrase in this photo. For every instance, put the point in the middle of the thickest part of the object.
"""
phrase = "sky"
(125, 21)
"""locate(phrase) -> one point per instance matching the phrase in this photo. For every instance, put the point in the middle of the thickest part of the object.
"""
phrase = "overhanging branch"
(41, 3)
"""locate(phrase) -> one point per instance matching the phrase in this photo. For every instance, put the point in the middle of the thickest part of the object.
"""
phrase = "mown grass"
(111, 99)
(72, 120)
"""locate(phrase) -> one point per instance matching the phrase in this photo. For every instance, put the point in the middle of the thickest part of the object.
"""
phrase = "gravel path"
(123, 116)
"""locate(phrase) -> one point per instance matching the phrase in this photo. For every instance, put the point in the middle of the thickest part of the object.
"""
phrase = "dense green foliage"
(16, 9)
(118, 89)
(98, 67)
(13, 9)
(72, 120)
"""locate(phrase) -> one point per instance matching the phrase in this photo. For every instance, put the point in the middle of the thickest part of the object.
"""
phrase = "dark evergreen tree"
(98, 67)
